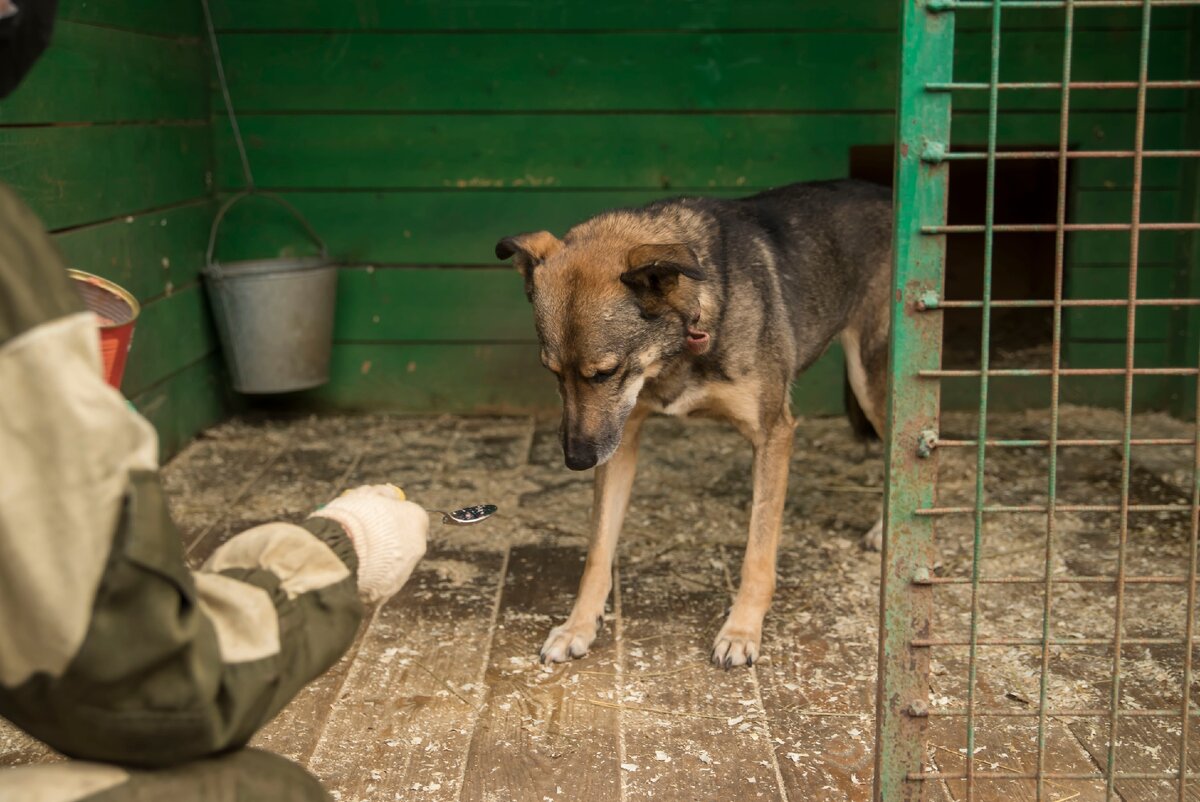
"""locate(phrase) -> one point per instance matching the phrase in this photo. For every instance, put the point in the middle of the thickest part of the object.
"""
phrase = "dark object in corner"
(24, 36)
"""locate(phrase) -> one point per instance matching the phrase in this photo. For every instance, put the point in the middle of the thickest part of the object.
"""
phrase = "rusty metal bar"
(989, 219)
(1041, 508)
(1190, 626)
(1056, 85)
(1099, 712)
(1066, 442)
(1067, 302)
(1139, 141)
(1060, 221)
(982, 5)
(928, 642)
(1048, 228)
(1027, 372)
(1163, 579)
(1001, 775)
(1074, 154)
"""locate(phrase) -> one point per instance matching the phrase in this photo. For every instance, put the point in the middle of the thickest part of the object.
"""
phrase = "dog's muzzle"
(580, 456)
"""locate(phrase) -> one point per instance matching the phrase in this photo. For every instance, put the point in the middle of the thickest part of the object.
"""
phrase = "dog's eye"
(601, 376)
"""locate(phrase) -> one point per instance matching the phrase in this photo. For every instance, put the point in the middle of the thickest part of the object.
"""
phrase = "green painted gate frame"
(922, 123)
(906, 603)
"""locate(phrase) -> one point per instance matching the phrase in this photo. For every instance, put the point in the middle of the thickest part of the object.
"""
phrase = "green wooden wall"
(416, 134)
(110, 141)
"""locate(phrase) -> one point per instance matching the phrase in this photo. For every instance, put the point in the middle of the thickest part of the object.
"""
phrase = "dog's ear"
(653, 271)
(528, 251)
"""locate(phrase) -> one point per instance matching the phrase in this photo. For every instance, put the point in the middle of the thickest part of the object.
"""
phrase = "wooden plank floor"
(441, 697)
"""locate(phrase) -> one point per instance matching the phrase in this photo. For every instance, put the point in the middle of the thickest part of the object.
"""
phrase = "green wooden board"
(527, 15)
(453, 378)
(185, 403)
(462, 227)
(643, 151)
(163, 17)
(1112, 355)
(551, 151)
(1116, 175)
(171, 333)
(1108, 323)
(414, 228)
(1112, 247)
(432, 305)
(1009, 394)
(496, 378)
(531, 15)
(147, 254)
(77, 175)
(610, 72)
(102, 75)
(1154, 281)
(1116, 206)
(818, 391)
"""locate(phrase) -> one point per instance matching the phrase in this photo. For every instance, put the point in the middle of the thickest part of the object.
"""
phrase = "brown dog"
(701, 306)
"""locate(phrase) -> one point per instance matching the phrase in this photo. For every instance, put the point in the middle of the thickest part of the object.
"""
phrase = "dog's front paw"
(873, 540)
(736, 646)
(568, 641)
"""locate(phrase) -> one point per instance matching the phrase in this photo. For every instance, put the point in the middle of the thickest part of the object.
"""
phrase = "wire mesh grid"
(906, 766)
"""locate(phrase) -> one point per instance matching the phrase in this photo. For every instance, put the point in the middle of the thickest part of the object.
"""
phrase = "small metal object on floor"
(468, 515)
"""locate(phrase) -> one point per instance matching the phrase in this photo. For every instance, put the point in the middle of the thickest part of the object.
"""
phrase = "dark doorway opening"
(1022, 263)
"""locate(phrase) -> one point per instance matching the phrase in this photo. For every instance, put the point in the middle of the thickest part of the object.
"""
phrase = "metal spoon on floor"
(468, 515)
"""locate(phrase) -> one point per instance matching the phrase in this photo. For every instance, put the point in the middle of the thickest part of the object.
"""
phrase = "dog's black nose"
(580, 457)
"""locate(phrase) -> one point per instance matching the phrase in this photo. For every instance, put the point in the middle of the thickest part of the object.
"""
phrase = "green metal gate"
(910, 585)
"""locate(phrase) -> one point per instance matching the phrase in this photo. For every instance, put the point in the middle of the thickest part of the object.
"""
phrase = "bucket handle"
(212, 236)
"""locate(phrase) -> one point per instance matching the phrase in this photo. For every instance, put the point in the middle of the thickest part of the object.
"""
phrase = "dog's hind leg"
(739, 641)
(614, 480)
(866, 369)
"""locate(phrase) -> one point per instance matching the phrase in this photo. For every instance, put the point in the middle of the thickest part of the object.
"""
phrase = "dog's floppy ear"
(653, 271)
(528, 251)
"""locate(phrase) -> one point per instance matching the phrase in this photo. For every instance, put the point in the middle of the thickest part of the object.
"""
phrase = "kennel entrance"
(1025, 194)
(1037, 641)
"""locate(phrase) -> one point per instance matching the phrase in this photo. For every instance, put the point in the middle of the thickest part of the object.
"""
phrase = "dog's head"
(610, 309)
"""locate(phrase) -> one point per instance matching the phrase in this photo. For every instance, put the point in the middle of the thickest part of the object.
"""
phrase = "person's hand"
(389, 536)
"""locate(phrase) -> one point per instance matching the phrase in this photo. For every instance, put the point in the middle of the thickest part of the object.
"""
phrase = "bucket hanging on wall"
(274, 316)
(116, 312)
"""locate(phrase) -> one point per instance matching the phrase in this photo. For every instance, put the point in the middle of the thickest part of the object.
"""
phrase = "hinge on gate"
(926, 443)
(921, 576)
(928, 300)
(938, 6)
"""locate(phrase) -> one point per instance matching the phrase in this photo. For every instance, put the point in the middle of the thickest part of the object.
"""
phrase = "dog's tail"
(862, 427)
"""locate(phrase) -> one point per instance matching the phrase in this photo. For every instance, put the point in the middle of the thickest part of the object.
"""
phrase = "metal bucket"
(116, 312)
(274, 316)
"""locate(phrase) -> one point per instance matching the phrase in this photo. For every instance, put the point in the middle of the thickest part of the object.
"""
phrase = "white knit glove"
(388, 534)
